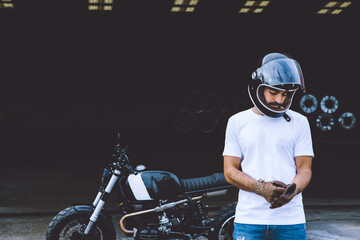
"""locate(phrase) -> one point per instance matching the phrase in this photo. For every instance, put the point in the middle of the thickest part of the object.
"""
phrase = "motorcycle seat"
(213, 182)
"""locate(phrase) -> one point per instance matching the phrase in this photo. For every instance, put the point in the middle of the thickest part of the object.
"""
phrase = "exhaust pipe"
(157, 209)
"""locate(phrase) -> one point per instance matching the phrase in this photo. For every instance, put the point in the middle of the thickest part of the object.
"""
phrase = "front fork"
(100, 200)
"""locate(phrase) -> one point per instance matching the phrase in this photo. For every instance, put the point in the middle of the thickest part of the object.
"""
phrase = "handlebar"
(130, 169)
(121, 156)
(119, 152)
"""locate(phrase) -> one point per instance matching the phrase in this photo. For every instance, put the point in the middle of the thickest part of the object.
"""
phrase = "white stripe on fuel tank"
(138, 187)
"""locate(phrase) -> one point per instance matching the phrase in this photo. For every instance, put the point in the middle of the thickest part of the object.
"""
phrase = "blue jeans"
(269, 232)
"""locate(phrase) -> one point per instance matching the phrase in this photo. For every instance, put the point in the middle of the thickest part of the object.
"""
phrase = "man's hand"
(269, 190)
(288, 194)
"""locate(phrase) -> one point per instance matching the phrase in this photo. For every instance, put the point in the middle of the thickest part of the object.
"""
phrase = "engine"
(164, 228)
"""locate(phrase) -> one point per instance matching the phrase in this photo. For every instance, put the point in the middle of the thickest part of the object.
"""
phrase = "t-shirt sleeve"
(232, 146)
(303, 145)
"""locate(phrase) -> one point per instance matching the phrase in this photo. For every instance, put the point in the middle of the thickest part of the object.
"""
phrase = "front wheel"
(72, 221)
(224, 226)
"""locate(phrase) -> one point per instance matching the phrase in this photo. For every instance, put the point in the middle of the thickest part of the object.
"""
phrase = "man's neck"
(255, 110)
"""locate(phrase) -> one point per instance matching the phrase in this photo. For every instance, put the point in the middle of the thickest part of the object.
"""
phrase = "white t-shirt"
(267, 147)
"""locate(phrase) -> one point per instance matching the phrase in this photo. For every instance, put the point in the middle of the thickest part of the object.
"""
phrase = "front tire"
(70, 222)
(224, 226)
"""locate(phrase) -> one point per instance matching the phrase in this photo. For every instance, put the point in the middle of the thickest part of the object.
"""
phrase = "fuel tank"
(152, 185)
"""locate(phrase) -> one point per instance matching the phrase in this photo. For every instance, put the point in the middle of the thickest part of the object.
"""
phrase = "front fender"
(89, 209)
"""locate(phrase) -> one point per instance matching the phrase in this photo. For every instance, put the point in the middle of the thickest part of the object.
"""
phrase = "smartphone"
(290, 190)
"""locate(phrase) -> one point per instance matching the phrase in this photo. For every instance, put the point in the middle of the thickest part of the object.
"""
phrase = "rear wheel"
(72, 221)
(224, 226)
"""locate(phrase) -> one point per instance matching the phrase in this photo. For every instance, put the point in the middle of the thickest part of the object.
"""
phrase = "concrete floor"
(322, 224)
(29, 201)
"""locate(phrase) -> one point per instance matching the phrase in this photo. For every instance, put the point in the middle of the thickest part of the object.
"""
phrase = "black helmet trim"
(260, 106)
(287, 102)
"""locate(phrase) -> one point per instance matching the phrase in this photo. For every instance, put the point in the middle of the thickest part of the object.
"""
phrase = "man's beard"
(275, 105)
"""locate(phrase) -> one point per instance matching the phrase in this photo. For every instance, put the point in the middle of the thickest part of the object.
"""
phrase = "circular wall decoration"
(325, 122)
(205, 121)
(195, 101)
(308, 103)
(183, 120)
(329, 104)
(347, 120)
(216, 101)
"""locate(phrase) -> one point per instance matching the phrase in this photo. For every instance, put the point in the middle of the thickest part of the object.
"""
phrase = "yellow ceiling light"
(249, 3)
(107, 8)
(336, 11)
(93, 7)
(100, 5)
(244, 10)
(331, 4)
(101, 1)
(193, 2)
(345, 4)
(258, 10)
(264, 3)
(323, 11)
(6, 4)
(184, 6)
(334, 7)
(178, 2)
(254, 6)
(176, 9)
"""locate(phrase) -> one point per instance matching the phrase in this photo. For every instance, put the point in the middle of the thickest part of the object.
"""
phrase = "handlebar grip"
(130, 169)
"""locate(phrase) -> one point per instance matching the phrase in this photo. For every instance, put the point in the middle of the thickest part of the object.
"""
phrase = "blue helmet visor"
(283, 73)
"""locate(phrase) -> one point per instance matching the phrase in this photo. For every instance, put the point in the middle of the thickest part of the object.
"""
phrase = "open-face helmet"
(278, 72)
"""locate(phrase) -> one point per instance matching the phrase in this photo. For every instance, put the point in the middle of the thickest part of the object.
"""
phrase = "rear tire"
(68, 223)
(224, 226)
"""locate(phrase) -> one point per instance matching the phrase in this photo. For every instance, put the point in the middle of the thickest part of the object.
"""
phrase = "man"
(272, 146)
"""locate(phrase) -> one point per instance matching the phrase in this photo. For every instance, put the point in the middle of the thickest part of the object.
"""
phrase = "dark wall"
(71, 79)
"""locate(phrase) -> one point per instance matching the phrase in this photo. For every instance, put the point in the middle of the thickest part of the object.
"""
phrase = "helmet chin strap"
(287, 118)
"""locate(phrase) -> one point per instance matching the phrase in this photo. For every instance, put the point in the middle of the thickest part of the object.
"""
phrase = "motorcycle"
(154, 205)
